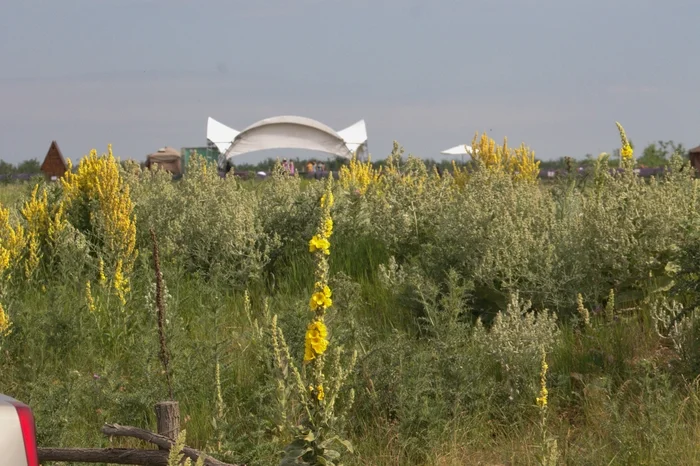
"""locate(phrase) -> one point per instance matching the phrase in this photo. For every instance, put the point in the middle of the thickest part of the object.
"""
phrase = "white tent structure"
(287, 132)
(462, 149)
(220, 135)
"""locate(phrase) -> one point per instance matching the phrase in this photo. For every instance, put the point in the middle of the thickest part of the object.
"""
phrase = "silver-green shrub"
(212, 226)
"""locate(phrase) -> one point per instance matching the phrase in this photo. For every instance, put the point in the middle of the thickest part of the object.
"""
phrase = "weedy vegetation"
(398, 316)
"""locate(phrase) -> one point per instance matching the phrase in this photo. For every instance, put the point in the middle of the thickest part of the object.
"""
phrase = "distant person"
(310, 167)
(292, 169)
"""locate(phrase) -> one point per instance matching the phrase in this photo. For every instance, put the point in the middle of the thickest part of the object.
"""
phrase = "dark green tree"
(6, 168)
(31, 166)
(658, 154)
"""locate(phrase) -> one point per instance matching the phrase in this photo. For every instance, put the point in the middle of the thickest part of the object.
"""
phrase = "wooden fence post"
(168, 418)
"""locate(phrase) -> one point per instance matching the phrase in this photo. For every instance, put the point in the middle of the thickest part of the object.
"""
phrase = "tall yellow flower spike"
(319, 245)
(315, 342)
(13, 241)
(89, 299)
(626, 152)
(44, 225)
(317, 423)
(5, 324)
(460, 175)
(542, 399)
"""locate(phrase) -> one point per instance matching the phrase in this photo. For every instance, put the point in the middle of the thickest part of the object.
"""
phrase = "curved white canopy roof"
(462, 149)
(287, 132)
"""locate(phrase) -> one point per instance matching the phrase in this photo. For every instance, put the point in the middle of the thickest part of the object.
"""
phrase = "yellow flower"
(102, 277)
(5, 324)
(97, 185)
(358, 176)
(88, 297)
(319, 244)
(328, 197)
(319, 390)
(121, 284)
(33, 256)
(328, 227)
(519, 163)
(626, 153)
(320, 300)
(13, 241)
(542, 399)
(315, 343)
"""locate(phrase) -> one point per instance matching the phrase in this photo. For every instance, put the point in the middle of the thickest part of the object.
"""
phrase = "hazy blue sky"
(553, 74)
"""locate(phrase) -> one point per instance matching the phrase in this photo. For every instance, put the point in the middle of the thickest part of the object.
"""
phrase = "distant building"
(54, 165)
(167, 158)
(694, 155)
(209, 152)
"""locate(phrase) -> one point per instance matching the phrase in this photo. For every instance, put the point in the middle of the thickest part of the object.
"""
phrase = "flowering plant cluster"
(519, 162)
(318, 390)
(98, 202)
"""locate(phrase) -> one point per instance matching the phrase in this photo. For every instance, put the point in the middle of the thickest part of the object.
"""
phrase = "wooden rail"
(126, 456)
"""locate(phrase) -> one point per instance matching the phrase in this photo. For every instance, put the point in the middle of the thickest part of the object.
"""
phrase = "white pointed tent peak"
(220, 135)
(462, 149)
(354, 135)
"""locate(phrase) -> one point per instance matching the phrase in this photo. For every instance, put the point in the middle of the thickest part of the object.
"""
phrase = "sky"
(142, 74)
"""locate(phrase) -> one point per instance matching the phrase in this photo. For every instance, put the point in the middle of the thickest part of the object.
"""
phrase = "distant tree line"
(654, 155)
(28, 167)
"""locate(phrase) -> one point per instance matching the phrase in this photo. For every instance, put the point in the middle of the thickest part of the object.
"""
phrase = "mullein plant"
(626, 151)
(583, 314)
(176, 455)
(317, 389)
(549, 455)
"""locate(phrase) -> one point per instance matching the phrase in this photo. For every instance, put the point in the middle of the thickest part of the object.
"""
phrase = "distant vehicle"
(17, 434)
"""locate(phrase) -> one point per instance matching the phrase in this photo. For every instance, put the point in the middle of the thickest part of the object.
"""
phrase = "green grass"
(12, 194)
(602, 410)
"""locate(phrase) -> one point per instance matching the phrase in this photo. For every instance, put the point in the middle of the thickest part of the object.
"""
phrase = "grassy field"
(12, 194)
(495, 320)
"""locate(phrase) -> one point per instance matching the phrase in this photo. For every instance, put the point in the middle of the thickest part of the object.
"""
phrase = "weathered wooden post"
(167, 412)
(168, 419)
